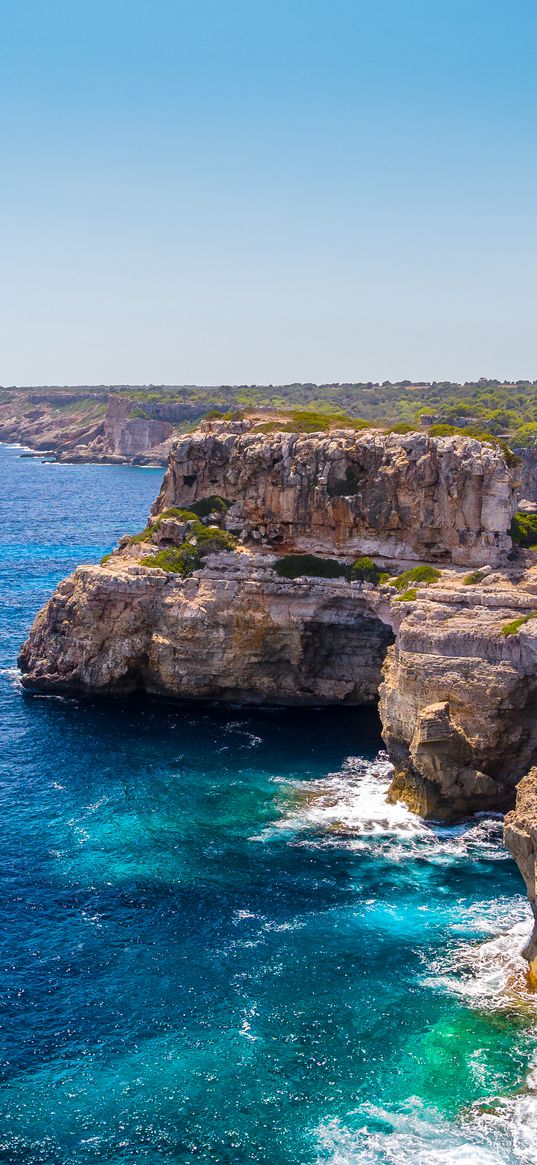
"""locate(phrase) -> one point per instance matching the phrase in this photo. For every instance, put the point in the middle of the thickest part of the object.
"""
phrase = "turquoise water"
(217, 942)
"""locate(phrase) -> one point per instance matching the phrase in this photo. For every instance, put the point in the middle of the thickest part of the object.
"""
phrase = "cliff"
(520, 836)
(100, 425)
(203, 604)
(447, 499)
(457, 695)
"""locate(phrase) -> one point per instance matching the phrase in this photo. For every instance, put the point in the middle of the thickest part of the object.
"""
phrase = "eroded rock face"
(127, 436)
(458, 699)
(446, 499)
(237, 632)
(458, 696)
(520, 836)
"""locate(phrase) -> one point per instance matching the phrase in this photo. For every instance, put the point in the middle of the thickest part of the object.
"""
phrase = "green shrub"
(441, 430)
(475, 576)
(514, 626)
(231, 415)
(313, 421)
(179, 560)
(407, 596)
(403, 427)
(143, 536)
(417, 574)
(106, 558)
(525, 435)
(176, 512)
(200, 509)
(365, 570)
(297, 565)
(211, 505)
(201, 541)
(524, 529)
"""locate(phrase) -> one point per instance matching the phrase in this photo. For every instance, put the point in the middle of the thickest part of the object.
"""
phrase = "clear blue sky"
(208, 191)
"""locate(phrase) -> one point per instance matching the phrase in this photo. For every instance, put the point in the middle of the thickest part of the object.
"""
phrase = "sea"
(218, 942)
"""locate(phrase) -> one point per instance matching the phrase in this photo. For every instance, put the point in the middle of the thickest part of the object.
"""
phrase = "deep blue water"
(217, 943)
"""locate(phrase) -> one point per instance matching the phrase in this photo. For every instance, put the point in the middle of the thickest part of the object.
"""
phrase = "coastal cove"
(219, 943)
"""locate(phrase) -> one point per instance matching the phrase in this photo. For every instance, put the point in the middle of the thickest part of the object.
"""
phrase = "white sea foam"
(505, 1136)
(490, 974)
(240, 730)
(351, 808)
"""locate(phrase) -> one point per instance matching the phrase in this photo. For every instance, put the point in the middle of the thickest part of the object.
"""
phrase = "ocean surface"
(218, 943)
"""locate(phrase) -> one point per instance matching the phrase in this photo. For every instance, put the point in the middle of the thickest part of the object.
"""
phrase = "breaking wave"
(351, 808)
(506, 1135)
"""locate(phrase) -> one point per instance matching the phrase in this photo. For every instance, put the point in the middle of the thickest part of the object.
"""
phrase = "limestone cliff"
(98, 425)
(457, 697)
(235, 632)
(457, 694)
(453, 656)
(520, 835)
(446, 499)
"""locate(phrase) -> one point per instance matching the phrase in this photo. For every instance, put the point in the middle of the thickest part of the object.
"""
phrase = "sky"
(266, 191)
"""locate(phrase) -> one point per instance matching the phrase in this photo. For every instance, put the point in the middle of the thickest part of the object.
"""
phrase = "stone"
(414, 497)
(520, 836)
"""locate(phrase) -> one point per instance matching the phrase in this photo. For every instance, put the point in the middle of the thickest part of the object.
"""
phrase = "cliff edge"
(223, 596)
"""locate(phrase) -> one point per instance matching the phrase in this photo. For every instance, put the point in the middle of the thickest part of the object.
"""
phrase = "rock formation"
(447, 499)
(235, 632)
(520, 836)
(97, 425)
(453, 657)
(457, 694)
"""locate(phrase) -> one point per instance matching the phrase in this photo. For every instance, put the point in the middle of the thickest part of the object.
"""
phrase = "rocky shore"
(94, 426)
(452, 656)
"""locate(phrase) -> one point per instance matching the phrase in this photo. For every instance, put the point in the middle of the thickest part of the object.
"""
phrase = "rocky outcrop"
(235, 632)
(457, 694)
(458, 697)
(527, 473)
(447, 499)
(128, 435)
(99, 425)
(520, 835)
(453, 658)
(51, 421)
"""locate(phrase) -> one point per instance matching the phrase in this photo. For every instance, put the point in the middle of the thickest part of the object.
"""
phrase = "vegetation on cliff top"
(189, 556)
(197, 510)
(313, 421)
(506, 410)
(417, 574)
(514, 626)
(524, 530)
(313, 566)
(487, 409)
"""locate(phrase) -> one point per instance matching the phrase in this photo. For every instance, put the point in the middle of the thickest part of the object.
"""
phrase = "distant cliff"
(224, 596)
(96, 426)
